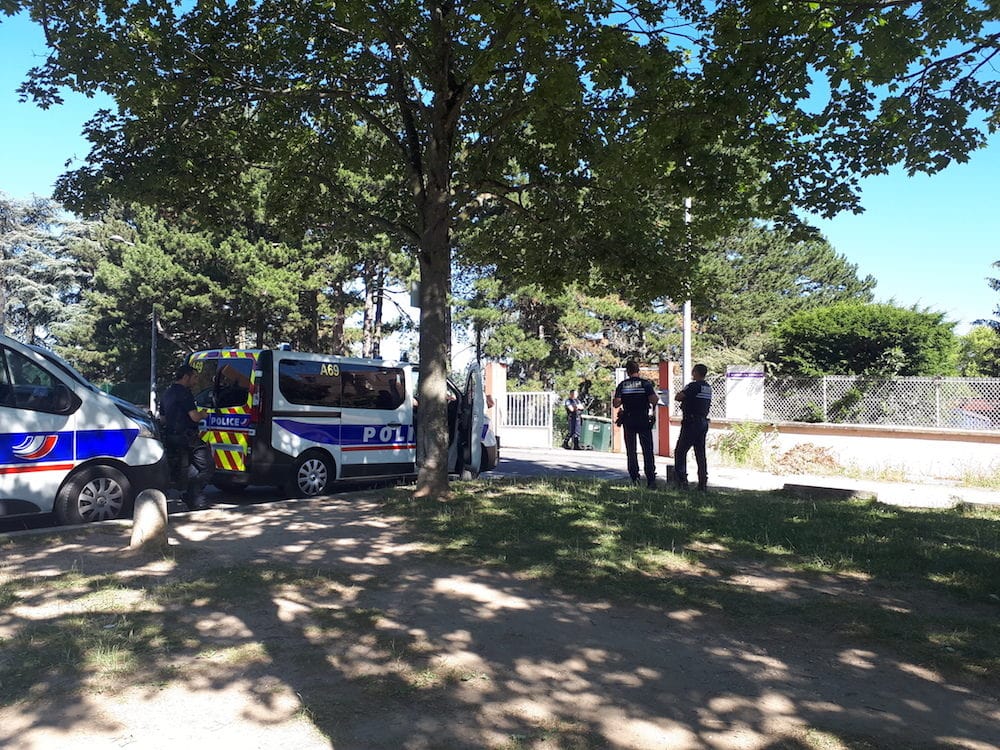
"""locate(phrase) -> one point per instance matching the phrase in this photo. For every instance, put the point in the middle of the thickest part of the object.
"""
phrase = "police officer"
(180, 426)
(574, 407)
(695, 400)
(636, 396)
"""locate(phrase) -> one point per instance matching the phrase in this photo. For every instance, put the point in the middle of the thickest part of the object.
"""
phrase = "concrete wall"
(918, 453)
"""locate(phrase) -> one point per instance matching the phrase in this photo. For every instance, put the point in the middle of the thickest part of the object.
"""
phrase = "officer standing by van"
(695, 400)
(636, 396)
(180, 422)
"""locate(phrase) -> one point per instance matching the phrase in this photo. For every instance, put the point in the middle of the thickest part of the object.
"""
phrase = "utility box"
(595, 433)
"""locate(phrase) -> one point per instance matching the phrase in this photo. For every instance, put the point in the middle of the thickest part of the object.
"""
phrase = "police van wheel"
(95, 494)
(312, 476)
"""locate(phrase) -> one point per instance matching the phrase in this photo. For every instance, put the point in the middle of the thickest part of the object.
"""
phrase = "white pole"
(686, 353)
(686, 363)
(152, 362)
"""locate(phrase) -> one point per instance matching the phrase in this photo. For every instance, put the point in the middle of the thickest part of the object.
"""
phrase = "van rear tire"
(312, 475)
(97, 493)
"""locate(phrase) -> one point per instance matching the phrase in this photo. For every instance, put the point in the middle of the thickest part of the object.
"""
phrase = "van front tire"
(98, 493)
(312, 475)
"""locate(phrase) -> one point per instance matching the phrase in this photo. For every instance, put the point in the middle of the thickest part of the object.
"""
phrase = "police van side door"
(223, 387)
(377, 435)
(304, 408)
(471, 420)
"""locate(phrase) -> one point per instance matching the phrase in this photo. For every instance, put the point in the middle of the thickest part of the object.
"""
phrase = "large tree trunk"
(337, 337)
(379, 298)
(368, 319)
(435, 334)
(432, 180)
(309, 305)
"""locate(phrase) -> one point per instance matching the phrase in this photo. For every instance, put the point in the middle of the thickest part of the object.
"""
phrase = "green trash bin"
(595, 433)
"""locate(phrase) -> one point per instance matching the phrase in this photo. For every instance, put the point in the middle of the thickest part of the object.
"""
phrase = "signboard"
(745, 392)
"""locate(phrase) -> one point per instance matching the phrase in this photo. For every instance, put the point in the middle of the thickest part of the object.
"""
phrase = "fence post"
(937, 403)
(551, 407)
(826, 417)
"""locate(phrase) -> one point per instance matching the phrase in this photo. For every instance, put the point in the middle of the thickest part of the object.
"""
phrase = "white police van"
(67, 447)
(302, 421)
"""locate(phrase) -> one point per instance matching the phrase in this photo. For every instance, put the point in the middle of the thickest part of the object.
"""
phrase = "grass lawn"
(924, 582)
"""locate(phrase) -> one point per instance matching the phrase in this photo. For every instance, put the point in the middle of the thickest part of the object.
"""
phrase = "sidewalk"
(611, 466)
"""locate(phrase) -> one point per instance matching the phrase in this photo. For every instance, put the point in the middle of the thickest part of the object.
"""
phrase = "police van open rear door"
(471, 420)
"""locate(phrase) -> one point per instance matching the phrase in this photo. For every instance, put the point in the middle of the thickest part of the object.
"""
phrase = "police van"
(302, 421)
(66, 447)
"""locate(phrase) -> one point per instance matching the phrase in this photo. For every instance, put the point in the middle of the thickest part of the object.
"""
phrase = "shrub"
(744, 444)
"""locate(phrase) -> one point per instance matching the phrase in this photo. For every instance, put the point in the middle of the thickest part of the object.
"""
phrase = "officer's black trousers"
(694, 430)
(645, 437)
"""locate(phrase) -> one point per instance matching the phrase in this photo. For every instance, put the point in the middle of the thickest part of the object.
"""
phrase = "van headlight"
(147, 427)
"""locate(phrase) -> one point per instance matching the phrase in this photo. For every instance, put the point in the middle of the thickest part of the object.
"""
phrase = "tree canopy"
(756, 276)
(212, 290)
(979, 355)
(849, 338)
(571, 130)
(994, 284)
(39, 275)
(560, 339)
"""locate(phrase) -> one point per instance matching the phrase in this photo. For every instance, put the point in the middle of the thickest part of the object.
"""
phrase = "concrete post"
(663, 409)
(149, 520)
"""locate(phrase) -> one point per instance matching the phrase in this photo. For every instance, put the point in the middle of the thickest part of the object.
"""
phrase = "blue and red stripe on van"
(24, 452)
(372, 437)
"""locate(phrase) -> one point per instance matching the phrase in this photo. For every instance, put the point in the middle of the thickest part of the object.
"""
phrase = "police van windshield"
(61, 364)
(222, 383)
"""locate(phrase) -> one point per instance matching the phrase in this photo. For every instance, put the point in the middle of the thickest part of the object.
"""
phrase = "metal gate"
(527, 422)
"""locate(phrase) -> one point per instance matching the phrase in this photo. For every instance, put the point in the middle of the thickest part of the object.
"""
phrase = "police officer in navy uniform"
(636, 396)
(180, 425)
(695, 400)
(574, 407)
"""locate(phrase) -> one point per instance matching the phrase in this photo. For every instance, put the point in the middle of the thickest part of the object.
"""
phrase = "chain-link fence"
(962, 403)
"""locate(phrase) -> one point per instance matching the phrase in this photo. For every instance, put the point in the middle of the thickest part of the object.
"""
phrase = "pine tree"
(38, 275)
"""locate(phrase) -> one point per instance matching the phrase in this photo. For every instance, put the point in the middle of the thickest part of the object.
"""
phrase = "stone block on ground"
(149, 520)
(818, 492)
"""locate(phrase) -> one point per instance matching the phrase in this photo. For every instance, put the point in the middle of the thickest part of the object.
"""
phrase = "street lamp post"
(686, 342)
(152, 361)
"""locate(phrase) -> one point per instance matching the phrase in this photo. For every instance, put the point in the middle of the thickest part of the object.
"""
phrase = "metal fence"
(528, 418)
(961, 403)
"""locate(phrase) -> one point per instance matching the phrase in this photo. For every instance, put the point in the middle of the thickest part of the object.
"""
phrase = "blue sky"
(929, 241)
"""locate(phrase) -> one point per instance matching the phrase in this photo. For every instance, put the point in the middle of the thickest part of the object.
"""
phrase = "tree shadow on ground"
(327, 613)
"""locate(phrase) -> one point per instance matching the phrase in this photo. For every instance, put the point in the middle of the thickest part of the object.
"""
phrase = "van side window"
(309, 383)
(232, 383)
(373, 387)
(25, 385)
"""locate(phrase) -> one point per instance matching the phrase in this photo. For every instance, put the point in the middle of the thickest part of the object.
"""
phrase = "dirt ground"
(432, 655)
